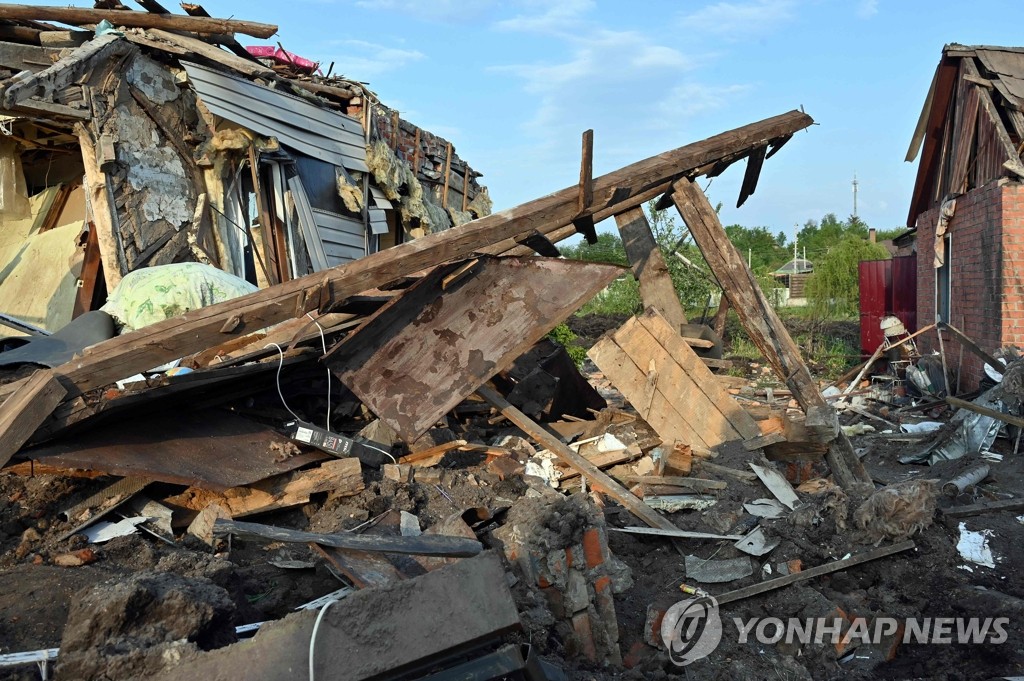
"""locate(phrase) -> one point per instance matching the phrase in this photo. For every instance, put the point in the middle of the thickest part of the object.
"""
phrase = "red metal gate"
(887, 287)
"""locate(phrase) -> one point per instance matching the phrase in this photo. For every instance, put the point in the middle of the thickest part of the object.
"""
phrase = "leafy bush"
(833, 288)
(564, 336)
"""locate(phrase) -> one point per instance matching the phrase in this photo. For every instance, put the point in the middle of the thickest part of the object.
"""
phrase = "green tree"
(764, 250)
(833, 290)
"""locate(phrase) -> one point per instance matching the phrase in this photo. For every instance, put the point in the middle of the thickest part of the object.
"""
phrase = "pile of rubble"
(378, 466)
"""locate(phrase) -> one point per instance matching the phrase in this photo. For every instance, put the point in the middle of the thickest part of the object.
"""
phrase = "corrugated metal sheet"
(318, 132)
(875, 294)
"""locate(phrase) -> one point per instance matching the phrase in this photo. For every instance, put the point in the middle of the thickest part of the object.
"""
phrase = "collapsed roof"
(150, 144)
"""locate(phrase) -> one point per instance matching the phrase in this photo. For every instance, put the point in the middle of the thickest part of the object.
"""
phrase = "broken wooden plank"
(427, 350)
(762, 441)
(708, 467)
(972, 347)
(364, 569)
(664, 380)
(765, 328)
(985, 411)
(23, 411)
(586, 190)
(811, 573)
(340, 477)
(423, 545)
(752, 173)
(210, 449)
(78, 16)
(675, 534)
(208, 51)
(669, 414)
(597, 478)
(46, 83)
(968, 510)
(658, 327)
(18, 57)
(696, 484)
(228, 41)
(649, 268)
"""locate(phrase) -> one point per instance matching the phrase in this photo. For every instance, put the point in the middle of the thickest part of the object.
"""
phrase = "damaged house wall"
(185, 152)
(153, 181)
(969, 138)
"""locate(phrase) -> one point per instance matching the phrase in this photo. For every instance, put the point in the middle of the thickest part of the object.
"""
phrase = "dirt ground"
(266, 581)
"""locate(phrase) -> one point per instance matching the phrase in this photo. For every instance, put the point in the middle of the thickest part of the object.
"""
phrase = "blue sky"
(513, 84)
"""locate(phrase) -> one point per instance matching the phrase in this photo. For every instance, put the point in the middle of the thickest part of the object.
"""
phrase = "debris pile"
(317, 427)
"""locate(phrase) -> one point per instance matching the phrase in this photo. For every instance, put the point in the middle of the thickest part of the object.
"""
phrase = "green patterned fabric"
(153, 294)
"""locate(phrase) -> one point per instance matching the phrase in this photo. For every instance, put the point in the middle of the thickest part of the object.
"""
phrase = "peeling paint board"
(777, 485)
(428, 349)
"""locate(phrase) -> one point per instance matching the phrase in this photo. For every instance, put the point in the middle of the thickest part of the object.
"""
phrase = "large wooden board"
(429, 349)
(664, 380)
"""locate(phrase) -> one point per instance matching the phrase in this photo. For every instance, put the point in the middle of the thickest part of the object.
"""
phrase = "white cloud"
(445, 11)
(867, 9)
(548, 18)
(362, 60)
(737, 20)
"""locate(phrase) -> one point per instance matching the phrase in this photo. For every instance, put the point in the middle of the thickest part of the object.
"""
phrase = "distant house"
(793, 277)
(967, 209)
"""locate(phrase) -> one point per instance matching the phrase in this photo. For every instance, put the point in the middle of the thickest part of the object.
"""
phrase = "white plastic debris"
(922, 427)
(104, 531)
(857, 429)
(765, 508)
(543, 468)
(973, 546)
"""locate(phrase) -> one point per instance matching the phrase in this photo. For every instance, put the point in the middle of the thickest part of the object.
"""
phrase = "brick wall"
(978, 303)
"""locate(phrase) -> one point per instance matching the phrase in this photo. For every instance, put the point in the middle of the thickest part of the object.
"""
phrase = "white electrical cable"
(323, 340)
(280, 364)
(312, 638)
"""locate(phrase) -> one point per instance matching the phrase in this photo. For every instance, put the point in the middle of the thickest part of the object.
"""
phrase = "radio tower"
(855, 183)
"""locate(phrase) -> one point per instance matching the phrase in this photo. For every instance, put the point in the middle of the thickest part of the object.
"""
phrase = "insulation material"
(350, 192)
(899, 511)
(481, 205)
(396, 180)
(38, 282)
(14, 202)
(153, 294)
(230, 139)
(459, 217)
(39, 286)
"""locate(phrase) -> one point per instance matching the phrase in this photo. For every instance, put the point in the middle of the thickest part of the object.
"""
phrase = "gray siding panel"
(321, 133)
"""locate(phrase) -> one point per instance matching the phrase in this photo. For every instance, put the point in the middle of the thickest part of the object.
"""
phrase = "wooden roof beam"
(78, 16)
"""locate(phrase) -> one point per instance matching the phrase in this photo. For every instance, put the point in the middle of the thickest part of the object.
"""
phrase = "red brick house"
(968, 202)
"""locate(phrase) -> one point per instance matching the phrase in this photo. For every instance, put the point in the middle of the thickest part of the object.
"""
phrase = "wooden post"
(649, 268)
(766, 330)
(416, 154)
(447, 173)
(586, 197)
(465, 189)
(721, 316)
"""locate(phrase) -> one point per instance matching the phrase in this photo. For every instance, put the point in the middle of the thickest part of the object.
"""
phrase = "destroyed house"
(967, 209)
(122, 149)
